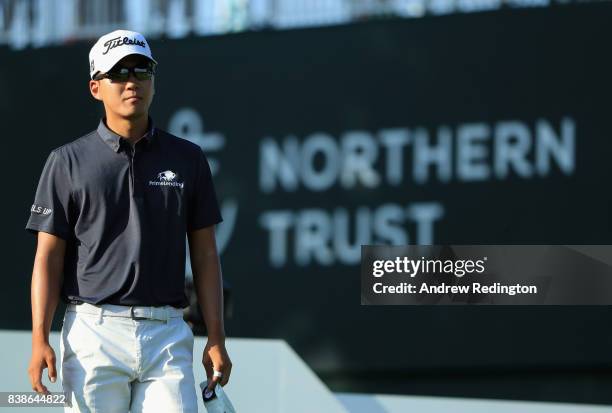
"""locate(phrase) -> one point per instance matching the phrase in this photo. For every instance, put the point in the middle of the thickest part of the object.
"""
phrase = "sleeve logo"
(40, 210)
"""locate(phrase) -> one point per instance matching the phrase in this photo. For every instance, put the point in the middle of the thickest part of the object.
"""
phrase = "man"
(111, 211)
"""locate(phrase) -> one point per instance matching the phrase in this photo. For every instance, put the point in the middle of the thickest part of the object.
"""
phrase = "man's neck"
(130, 129)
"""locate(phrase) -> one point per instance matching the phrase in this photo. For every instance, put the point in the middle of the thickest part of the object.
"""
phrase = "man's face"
(129, 99)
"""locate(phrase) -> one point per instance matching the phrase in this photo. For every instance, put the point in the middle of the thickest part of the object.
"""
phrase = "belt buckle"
(134, 317)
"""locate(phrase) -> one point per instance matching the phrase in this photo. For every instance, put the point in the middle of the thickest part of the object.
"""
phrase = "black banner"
(489, 128)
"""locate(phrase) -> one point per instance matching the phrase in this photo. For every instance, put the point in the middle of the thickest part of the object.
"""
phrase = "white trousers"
(115, 359)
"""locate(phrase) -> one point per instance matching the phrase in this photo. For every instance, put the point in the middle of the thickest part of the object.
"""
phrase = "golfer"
(112, 211)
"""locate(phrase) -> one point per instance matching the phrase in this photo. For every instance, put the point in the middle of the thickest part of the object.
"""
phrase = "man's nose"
(132, 82)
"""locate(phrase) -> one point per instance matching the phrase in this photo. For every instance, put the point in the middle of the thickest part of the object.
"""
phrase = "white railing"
(38, 23)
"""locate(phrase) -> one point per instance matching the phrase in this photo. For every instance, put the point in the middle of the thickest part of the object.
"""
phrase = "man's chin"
(134, 115)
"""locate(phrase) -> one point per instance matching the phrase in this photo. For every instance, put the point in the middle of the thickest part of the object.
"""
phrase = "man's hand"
(43, 357)
(208, 283)
(215, 357)
(47, 279)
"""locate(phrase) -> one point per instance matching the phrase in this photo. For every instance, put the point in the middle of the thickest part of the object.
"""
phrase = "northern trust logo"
(167, 178)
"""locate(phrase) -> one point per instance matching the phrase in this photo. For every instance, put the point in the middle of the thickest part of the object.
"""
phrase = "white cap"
(114, 46)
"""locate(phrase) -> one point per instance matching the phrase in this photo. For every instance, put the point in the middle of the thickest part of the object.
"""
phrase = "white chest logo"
(167, 178)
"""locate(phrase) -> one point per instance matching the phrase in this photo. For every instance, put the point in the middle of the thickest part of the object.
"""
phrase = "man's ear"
(94, 88)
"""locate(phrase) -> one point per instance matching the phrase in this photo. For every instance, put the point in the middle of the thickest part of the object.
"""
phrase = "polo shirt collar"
(115, 141)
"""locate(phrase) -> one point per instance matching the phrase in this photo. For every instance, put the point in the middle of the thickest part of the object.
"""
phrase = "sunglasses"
(122, 74)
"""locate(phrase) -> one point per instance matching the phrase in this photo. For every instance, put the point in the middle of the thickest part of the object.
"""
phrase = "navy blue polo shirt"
(124, 211)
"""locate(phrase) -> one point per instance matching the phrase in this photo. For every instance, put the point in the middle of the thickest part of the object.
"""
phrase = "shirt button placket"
(130, 154)
(136, 182)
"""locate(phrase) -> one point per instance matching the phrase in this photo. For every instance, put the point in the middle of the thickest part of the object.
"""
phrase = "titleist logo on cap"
(102, 57)
(118, 41)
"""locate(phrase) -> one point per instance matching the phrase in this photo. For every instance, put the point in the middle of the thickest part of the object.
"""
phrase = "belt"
(135, 312)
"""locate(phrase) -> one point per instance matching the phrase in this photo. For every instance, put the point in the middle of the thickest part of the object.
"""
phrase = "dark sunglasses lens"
(120, 75)
(143, 73)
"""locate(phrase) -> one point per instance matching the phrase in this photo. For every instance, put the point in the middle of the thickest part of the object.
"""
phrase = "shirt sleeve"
(203, 208)
(50, 211)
